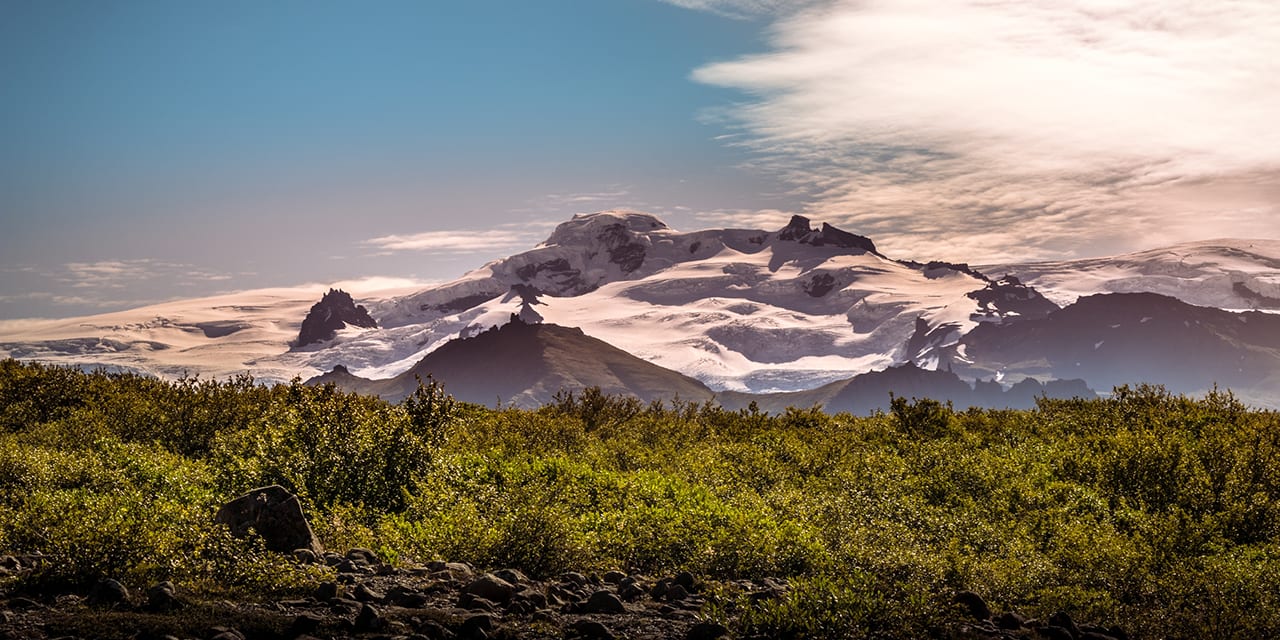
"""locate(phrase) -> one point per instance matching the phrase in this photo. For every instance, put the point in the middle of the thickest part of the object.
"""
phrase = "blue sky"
(153, 150)
(261, 143)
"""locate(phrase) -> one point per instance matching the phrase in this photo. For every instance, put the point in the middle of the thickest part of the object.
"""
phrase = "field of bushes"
(1156, 513)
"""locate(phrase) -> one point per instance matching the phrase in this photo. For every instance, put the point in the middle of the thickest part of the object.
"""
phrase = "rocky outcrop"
(798, 230)
(335, 311)
(1008, 298)
(275, 515)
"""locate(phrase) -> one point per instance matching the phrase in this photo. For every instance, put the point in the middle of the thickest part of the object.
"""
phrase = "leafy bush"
(1157, 512)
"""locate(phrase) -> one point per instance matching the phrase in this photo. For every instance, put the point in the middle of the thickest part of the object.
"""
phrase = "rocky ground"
(371, 599)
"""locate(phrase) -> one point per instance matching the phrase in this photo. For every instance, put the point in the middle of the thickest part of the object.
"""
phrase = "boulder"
(491, 587)
(973, 604)
(275, 514)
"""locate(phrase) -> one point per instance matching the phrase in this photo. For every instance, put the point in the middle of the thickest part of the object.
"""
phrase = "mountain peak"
(334, 312)
(591, 225)
(799, 230)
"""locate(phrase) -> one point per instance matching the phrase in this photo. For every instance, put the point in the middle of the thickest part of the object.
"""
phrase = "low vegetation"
(1156, 513)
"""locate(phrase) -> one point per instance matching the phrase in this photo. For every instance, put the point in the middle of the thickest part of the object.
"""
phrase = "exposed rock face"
(798, 230)
(275, 514)
(334, 312)
(820, 285)
(1008, 296)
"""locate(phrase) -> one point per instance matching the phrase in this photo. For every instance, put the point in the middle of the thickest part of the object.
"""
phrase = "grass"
(1153, 512)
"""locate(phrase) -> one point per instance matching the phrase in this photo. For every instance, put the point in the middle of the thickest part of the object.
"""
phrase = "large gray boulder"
(276, 516)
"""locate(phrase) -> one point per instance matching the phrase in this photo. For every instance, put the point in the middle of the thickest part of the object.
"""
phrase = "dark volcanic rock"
(1008, 295)
(798, 230)
(1122, 338)
(108, 592)
(335, 311)
(820, 285)
(973, 604)
(275, 514)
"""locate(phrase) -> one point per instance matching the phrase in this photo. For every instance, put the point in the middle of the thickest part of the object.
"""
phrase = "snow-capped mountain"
(1225, 273)
(739, 310)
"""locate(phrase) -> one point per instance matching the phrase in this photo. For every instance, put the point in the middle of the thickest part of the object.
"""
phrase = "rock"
(1051, 632)
(1061, 619)
(364, 594)
(575, 578)
(225, 633)
(363, 557)
(369, 619)
(23, 603)
(973, 604)
(590, 629)
(675, 592)
(163, 597)
(685, 579)
(491, 587)
(305, 623)
(333, 313)
(326, 591)
(1010, 621)
(707, 630)
(481, 622)
(406, 597)
(433, 630)
(275, 514)
(630, 590)
(614, 577)
(602, 602)
(511, 575)
(472, 602)
(305, 556)
(108, 592)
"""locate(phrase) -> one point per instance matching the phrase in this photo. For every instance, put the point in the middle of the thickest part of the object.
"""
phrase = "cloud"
(989, 128)
(458, 241)
(741, 9)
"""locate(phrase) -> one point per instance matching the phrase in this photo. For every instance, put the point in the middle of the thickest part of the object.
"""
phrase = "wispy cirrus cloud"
(742, 8)
(503, 237)
(995, 128)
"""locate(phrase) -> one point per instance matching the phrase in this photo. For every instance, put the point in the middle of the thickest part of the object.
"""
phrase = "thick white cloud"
(1009, 128)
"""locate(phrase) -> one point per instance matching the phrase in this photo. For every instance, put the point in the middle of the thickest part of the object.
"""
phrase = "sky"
(159, 150)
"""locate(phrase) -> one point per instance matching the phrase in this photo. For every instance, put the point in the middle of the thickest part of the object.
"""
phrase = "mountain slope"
(525, 365)
(738, 309)
(1116, 339)
(1224, 273)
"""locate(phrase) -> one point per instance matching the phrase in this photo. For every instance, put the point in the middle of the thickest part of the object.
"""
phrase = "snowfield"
(743, 310)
